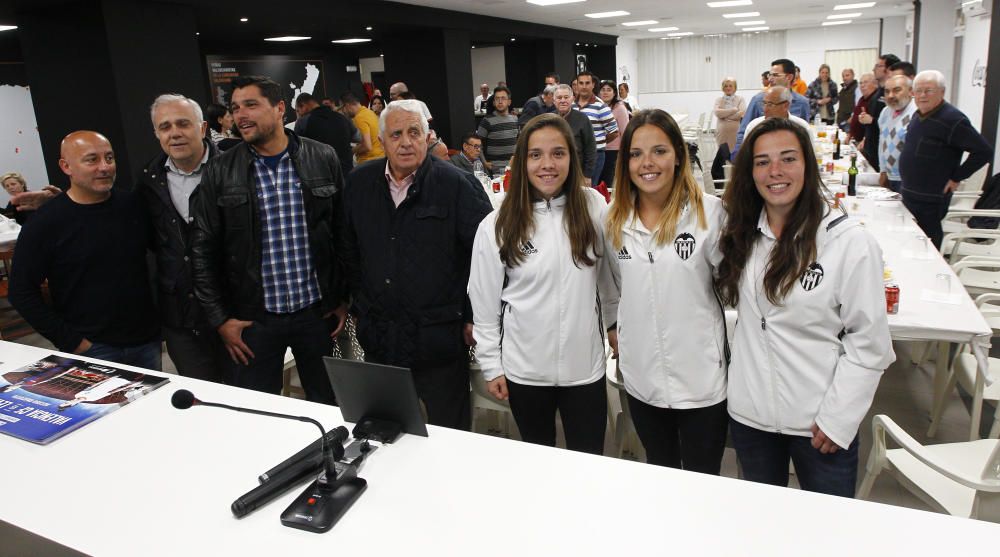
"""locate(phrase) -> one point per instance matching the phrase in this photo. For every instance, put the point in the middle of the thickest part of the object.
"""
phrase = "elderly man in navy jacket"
(931, 164)
(406, 245)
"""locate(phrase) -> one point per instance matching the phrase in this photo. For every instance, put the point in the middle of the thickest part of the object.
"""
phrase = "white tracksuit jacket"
(545, 327)
(671, 328)
(789, 369)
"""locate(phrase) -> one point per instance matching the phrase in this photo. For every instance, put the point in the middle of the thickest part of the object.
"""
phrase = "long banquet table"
(151, 480)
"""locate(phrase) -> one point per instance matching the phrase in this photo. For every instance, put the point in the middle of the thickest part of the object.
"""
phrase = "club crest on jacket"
(812, 277)
(684, 245)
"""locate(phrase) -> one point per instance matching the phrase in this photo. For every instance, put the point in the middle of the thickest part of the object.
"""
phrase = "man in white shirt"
(479, 104)
(777, 100)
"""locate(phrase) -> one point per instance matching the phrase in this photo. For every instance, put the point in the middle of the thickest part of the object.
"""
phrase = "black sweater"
(94, 258)
(932, 153)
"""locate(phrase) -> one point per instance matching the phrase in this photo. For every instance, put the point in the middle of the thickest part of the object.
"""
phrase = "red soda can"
(496, 186)
(891, 298)
(829, 167)
(837, 197)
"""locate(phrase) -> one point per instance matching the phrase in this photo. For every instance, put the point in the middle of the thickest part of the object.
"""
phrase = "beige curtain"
(861, 60)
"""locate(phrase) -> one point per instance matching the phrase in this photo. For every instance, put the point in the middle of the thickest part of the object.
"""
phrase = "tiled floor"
(904, 394)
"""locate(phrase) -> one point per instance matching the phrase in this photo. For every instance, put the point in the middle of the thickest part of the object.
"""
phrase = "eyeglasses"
(779, 103)
(925, 90)
(476, 146)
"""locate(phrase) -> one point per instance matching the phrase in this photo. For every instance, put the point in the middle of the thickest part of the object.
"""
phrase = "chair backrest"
(976, 181)
(991, 472)
(707, 182)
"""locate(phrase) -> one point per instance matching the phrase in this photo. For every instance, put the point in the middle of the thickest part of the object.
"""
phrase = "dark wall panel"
(524, 78)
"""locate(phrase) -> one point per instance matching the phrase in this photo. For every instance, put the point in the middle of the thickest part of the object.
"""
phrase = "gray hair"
(564, 86)
(906, 80)
(551, 90)
(931, 75)
(168, 98)
(784, 93)
(408, 105)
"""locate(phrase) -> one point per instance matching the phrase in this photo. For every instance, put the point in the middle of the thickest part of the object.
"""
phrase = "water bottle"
(480, 173)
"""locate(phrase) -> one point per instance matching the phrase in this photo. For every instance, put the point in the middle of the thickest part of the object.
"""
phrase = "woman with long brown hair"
(536, 269)
(662, 241)
(812, 338)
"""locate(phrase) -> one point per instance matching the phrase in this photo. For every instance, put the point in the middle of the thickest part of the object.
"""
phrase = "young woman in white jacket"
(812, 338)
(536, 267)
(662, 245)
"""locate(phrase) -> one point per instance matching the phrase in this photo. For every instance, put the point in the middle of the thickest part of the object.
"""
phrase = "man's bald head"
(777, 101)
(89, 161)
(396, 89)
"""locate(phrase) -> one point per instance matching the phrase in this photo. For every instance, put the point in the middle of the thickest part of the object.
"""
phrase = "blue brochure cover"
(47, 399)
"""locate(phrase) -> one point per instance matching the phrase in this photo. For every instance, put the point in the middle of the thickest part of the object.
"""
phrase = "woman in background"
(729, 110)
(609, 94)
(822, 95)
(377, 105)
(662, 241)
(220, 122)
(630, 103)
(537, 267)
(14, 183)
(812, 338)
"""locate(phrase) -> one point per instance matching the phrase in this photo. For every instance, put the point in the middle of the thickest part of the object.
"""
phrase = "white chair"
(979, 275)
(710, 185)
(961, 479)
(975, 182)
(291, 385)
(957, 220)
(625, 435)
(964, 200)
(965, 372)
(956, 246)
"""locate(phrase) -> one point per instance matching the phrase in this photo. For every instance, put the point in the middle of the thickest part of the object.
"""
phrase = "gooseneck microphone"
(288, 473)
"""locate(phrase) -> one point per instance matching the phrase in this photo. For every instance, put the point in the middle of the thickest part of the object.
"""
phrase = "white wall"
(369, 65)
(627, 55)
(20, 144)
(972, 70)
(936, 42)
(488, 66)
(807, 47)
(894, 36)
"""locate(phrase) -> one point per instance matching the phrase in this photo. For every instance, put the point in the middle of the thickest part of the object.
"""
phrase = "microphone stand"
(324, 501)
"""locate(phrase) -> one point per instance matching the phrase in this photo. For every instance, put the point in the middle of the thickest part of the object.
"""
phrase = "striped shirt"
(499, 134)
(601, 119)
(287, 272)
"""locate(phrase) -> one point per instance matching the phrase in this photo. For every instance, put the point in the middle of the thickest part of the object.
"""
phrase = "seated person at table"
(90, 245)
(22, 201)
(813, 337)
(782, 73)
(776, 101)
(472, 151)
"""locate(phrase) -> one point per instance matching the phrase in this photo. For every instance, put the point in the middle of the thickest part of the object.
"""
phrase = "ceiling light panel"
(601, 15)
(730, 3)
(661, 29)
(853, 6)
(754, 22)
(844, 16)
(552, 2)
(351, 41)
(741, 14)
(637, 23)
(837, 22)
(287, 39)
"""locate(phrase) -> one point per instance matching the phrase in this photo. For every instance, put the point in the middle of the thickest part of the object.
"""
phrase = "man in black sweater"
(406, 246)
(90, 246)
(325, 125)
(931, 164)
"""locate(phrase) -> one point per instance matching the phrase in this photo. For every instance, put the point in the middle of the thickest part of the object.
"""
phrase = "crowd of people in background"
(268, 239)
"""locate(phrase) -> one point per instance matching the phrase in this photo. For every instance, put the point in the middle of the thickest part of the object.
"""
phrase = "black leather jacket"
(226, 255)
(170, 240)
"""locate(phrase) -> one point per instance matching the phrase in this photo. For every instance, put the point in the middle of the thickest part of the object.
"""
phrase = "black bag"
(989, 200)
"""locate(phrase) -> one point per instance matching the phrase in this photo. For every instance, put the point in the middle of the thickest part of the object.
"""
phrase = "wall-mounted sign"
(295, 76)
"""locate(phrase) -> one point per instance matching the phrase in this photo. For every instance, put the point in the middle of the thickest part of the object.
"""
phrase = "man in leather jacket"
(166, 186)
(263, 256)
(408, 227)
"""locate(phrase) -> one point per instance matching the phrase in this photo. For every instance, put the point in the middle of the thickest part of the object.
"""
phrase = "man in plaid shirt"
(263, 261)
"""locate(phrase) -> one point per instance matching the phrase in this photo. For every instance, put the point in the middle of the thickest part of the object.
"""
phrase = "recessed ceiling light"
(661, 29)
(838, 22)
(644, 22)
(369, 28)
(844, 16)
(552, 2)
(765, 28)
(383, 55)
(730, 3)
(473, 46)
(741, 14)
(577, 44)
(244, 20)
(601, 15)
(853, 6)
(349, 41)
(287, 39)
(8, 27)
(754, 22)
(197, 33)
(683, 34)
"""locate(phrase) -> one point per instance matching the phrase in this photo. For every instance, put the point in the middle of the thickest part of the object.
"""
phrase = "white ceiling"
(688, 15)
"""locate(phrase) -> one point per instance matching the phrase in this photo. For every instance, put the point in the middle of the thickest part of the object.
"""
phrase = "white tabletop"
(152, 480)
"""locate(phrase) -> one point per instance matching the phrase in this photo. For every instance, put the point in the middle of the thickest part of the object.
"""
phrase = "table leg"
(940, 369)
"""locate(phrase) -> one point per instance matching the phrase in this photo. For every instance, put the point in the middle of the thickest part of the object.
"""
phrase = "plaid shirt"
(286, 266)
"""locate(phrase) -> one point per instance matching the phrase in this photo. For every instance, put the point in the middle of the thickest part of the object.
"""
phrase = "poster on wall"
(581, 63)
(20, 143)
(295, 76)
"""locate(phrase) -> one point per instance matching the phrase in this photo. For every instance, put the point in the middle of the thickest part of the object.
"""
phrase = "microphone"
(292, 471)
(336, 437)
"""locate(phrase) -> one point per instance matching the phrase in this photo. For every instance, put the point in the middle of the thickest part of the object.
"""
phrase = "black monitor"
(372, 391)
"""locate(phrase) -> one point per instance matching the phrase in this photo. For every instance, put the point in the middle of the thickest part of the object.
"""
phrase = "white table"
(151, 480)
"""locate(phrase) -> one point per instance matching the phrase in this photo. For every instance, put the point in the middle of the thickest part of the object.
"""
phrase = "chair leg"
(938, 408)
(977, 407)
(995, 430)
(866, 485)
